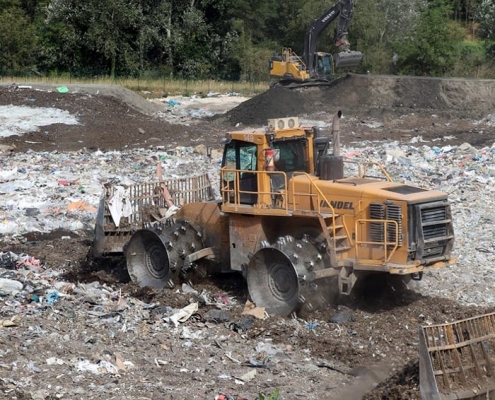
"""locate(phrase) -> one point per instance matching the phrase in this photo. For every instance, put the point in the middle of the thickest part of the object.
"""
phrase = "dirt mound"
(126, 96)
(372, 95)
(277, 102)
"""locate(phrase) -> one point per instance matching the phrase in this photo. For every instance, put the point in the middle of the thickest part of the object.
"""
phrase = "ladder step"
(339, 237)
(340, 249)
(337, 227)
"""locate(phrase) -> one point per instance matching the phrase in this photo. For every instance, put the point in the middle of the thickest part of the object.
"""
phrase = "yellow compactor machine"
(290, 219)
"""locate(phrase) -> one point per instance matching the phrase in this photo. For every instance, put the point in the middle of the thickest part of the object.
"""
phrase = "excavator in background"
(314, 67)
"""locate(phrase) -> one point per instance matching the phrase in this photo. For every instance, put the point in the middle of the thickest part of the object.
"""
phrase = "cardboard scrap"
(119, 361)
(251, 309)
(81, 206)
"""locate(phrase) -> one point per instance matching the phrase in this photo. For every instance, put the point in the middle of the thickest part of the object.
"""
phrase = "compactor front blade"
(457, 360)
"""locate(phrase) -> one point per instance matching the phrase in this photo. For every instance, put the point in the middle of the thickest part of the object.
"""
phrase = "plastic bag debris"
(9, 286)
(54, 361)
(217, 316)
(52, 297)
(119, 205)
(243, 324)
(101, 367)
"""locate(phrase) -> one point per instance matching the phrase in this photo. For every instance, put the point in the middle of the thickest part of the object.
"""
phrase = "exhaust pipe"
(332, 166)
(336, 133)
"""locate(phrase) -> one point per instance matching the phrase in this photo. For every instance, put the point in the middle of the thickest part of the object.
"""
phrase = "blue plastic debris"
(52, 297)
(312, 325)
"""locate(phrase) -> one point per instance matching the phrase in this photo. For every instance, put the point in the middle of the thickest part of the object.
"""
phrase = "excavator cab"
(324, 65)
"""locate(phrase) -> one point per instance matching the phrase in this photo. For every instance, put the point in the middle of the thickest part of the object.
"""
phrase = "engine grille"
(436, 235)
(394, 213)
(386, 212)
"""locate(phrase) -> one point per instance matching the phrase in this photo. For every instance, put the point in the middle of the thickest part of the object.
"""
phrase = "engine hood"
(378, 189)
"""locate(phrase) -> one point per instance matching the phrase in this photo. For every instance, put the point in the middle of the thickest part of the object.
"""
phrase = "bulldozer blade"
(145, 204)
(347, 59)
(457, 360)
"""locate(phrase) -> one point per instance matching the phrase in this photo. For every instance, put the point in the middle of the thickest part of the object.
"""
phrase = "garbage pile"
(43, 192)
(187, 110)
(97, 339)
(47, 191)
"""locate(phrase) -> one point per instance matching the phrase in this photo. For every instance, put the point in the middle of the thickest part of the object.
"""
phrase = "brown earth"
(399, 108)
(380, 345)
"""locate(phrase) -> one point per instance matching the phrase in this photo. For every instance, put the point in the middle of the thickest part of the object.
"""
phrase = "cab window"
(291, 156)
(240, 155)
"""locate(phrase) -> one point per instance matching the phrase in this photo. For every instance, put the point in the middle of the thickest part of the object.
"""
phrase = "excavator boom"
(344, 9)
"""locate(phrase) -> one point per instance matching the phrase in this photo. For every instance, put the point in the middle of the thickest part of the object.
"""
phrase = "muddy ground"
(372, 356)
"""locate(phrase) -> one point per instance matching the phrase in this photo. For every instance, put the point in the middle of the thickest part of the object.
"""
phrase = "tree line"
(198, 39)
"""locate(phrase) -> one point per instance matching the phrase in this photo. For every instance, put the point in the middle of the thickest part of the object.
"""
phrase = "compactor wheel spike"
(264, 244)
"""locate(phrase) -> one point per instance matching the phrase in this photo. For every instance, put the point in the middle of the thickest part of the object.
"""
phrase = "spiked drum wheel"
(155, 257)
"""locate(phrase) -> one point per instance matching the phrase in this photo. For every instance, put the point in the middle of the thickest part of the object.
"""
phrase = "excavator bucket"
(347, 59)
(457, 360)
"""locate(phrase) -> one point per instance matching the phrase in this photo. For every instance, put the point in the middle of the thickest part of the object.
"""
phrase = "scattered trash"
(312, 325)
(9, 286)
(52, 297)
(182, 315)
(248, 376)
(7, 323)
(242, 325)
(17, 120)
(102, 367)
(217, 316)
(259, 364)
(54, 361)
(63, 89)
(342, 316)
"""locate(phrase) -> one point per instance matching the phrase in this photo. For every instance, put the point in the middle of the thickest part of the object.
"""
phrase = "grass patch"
(152, 88)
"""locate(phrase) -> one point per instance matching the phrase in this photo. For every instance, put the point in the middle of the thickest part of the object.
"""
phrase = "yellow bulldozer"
(294, 217)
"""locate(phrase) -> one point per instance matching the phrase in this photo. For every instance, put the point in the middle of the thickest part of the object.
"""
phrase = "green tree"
(105, 28)
(431, 48)
(485, 16)
(17, 37)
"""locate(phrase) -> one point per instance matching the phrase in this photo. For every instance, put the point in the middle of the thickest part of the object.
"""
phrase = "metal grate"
(438, 213)
(394, 213)
(143, 198)
(377, 211)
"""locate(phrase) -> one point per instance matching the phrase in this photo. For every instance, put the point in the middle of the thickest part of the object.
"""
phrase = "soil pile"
(277, 102)
(370, 95)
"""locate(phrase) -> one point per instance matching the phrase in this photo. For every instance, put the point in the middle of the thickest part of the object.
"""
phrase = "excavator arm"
(344, 9)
